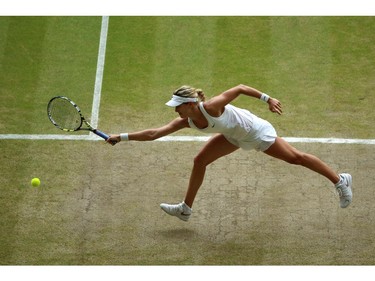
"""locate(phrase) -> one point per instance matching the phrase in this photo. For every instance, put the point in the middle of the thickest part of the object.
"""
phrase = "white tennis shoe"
(182, 211)
(344, 189)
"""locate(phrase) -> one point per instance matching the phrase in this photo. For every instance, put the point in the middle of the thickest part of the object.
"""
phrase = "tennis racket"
(66, 115)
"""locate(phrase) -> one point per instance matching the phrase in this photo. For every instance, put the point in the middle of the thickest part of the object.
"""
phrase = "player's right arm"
(215, 106)
(155, 133)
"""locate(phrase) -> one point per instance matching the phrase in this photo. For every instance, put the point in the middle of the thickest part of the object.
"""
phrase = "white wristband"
(264, 97)
(124, 136)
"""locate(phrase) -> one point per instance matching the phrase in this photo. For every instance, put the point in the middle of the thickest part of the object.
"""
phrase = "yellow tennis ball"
(35, 182)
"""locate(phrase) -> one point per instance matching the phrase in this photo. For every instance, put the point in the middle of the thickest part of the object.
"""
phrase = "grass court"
(99, 205)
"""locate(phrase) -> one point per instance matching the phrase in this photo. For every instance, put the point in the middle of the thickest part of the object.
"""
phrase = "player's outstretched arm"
(152, 134)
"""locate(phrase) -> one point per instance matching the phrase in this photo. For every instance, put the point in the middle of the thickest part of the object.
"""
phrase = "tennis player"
(234, 128)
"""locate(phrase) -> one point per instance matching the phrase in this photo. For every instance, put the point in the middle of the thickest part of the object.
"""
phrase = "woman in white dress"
(235, 128)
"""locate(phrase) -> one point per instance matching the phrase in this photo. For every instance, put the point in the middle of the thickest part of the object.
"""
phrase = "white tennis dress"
(240, 127)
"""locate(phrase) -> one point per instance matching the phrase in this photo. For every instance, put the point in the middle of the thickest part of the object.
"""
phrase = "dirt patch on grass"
(251, 209)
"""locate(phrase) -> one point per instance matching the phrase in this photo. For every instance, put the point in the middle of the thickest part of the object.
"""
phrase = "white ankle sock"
(187, 209)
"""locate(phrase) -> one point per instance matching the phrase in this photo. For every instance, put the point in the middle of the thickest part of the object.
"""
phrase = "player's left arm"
(215, 106)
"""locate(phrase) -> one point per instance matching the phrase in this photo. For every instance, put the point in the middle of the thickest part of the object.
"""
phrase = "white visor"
(176, 101)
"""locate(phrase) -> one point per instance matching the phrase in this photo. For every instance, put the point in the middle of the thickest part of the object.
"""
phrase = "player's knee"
(199, 161)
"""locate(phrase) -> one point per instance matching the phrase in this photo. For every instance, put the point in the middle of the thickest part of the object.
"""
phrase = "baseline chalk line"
(93, 137)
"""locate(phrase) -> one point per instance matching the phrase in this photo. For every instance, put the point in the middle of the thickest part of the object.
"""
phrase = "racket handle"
(104, 136)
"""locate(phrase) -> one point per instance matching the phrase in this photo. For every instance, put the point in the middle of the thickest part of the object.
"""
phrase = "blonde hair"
(189, 92)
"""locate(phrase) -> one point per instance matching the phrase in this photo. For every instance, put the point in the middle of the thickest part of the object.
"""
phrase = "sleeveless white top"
(239, 126)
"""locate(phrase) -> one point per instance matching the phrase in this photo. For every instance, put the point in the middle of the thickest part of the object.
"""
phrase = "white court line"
(46, 137)
(288, 139)
(330, 140)
(181, 139)
(99, 73)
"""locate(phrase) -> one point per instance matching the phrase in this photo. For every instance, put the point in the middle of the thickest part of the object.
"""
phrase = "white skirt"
(260, 138)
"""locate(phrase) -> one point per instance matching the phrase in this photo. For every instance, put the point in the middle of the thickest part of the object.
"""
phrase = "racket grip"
(104, 136)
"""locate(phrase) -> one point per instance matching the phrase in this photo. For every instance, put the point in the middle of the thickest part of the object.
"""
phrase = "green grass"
(43, 57)
(319, 67)
(87, 209)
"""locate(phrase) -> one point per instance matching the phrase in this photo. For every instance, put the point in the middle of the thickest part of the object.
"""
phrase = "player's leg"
(215, 148)
(343, 182)
(281, 149)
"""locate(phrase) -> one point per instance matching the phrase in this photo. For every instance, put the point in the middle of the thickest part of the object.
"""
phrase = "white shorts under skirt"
(260, 138)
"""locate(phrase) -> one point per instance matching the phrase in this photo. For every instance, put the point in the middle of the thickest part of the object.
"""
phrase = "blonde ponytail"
(200, 94)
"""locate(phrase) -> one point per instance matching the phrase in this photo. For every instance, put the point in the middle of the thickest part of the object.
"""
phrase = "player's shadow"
(178, 234)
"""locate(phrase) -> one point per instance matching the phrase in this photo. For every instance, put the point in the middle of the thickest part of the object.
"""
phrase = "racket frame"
(82, 118)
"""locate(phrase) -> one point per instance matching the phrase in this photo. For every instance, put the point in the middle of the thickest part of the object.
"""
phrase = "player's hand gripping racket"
(66, 115)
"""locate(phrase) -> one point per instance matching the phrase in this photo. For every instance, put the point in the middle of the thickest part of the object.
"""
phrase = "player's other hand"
(275, 106)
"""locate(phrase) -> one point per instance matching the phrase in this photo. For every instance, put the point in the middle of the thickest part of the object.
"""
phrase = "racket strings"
(65, 114)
